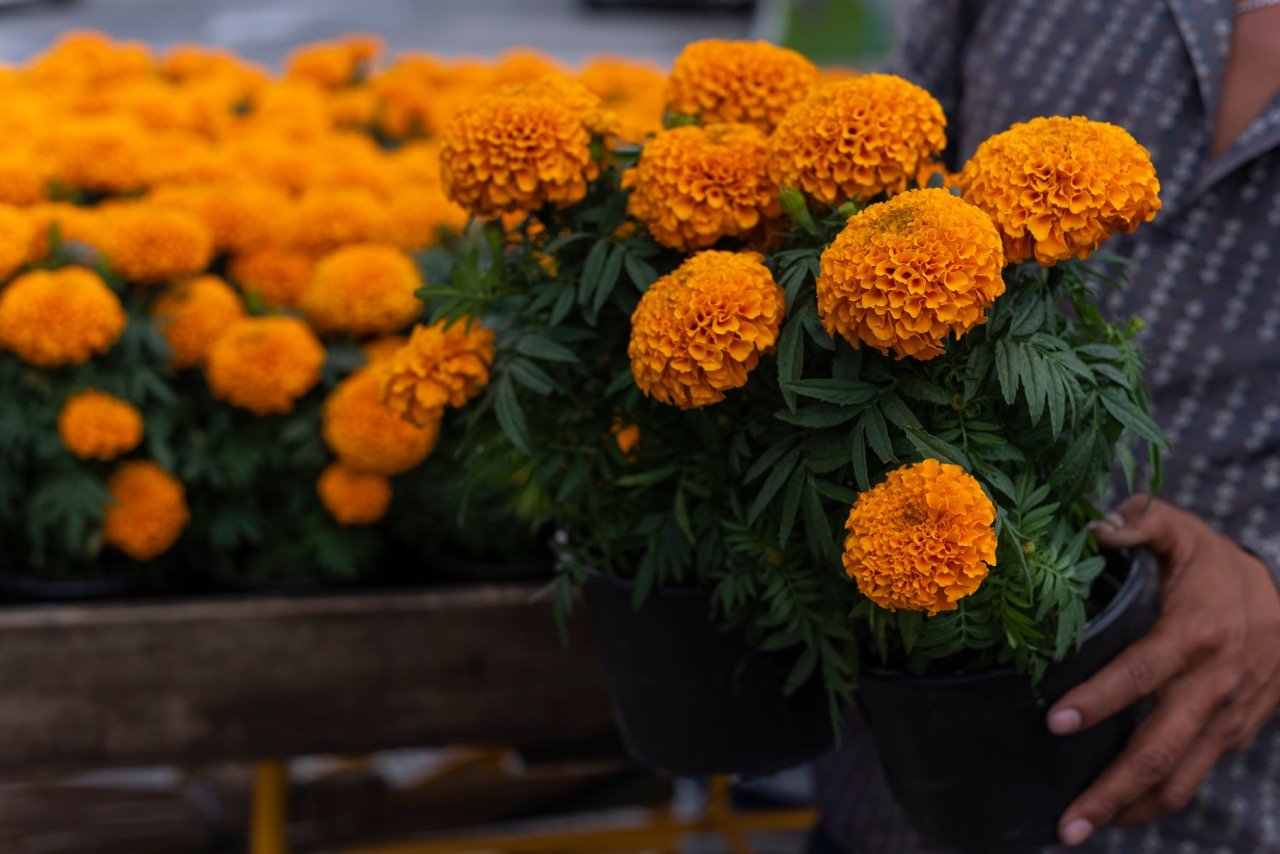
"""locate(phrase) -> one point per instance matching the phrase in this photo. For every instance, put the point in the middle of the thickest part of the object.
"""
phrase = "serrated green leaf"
(773, 483)
(511, 416)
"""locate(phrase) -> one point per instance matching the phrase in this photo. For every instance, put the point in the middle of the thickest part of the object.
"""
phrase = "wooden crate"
(187, 682)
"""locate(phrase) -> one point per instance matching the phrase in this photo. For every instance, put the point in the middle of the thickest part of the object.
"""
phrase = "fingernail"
(1076, 831)
(1112, 520)
(1065, 721)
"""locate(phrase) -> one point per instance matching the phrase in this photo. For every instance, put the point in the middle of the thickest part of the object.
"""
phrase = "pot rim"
(1128, 591)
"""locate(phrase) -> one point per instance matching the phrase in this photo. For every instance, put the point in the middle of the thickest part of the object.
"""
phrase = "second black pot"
(969, 757)
(691, 699)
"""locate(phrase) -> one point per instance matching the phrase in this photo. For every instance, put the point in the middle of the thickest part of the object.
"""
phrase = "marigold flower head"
(701, 329)
(264, 364)
(416, 216)
(857, 138)
(95, 425)
(24, 178)
(1058, 187)
(149, 244)
(333, 64)
(102, 155)
(695, 185)
(73, 224)
(906, 273)
(17, 239)
(241, 215)
(192, 314)
(519, 148)
(922, 540)
(52, 318)
(366, 435)
(325, 219)
(384, 348)
(363, 289)
(86, 58)
(148, 510)
(632, 91)
(353, 497)
(276, 275)
(738, 81)
(443, 364)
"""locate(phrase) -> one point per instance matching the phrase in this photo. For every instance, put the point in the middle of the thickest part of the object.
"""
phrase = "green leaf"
(923, 390)
(801, 671)
(898, 412)
(1131, 417)
(541, 347)
(564, 303)
(790, 360)
(858, 455)
(593, 270)
(791, 504)
(608, 278)
(531, 376)
(819, 416)
(877, 433)
(766, 460)
(1007, 371)
(648, 478)
(511, 416)
(931, 446)
(773, 483)
(842, 392)
(639, 271)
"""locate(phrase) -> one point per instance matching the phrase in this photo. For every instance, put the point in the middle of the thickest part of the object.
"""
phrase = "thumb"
(1140, 520)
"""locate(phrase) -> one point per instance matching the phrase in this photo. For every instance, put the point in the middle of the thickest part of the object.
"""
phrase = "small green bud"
(796, 208)
(1028, 548)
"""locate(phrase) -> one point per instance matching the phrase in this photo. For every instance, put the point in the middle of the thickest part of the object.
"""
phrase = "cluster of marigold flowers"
(255, 219)
(755, 131)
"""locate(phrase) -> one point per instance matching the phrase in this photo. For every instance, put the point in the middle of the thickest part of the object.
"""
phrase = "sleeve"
(932, 39)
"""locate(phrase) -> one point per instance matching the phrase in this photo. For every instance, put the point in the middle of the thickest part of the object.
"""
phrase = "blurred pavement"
(265, 30)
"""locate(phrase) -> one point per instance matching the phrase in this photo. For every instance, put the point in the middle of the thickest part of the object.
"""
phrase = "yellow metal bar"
(269, 829)
(719, 814)
(658, 833)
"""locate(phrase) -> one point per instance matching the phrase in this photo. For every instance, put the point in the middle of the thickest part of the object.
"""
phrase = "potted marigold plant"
(793, 393)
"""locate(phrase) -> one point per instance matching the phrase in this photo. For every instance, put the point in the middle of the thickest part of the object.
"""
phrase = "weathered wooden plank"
(247, 678)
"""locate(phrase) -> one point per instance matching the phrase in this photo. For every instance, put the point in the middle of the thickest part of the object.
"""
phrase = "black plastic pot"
(690, 699)
(969, 758)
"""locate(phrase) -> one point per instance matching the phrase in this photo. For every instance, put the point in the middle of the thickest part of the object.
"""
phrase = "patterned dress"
(1206, 281)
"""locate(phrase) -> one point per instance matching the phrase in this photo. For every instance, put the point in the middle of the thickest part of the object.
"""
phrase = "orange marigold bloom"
(278, 276)
(442, 364)
(353, 497)
(384, 348)
(192, 314)
(53, 318)
(95, 425)
(149, 244)
(416, 216)
(333, 64)
(74, 224)
(738, 81)
(922, 540)
(241, 215)
(699, 330)
(368, 436)
(1058, 187)
(264, 364)
(633, 91)
(364, 289)
(17, 240)
(696, 185)
(328, 218)
(148, 510)
(519, 148)
(24, 178)
(103, 155)
(857, 138)
(906, 273)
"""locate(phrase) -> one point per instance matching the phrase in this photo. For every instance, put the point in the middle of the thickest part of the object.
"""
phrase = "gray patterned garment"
(1206, 282)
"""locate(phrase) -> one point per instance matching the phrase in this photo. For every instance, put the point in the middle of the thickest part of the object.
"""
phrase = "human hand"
(1212, 660)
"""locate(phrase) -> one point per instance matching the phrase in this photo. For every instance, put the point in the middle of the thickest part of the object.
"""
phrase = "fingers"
(1142, 520)
(1159, 749)
(1177, 790)
(1137, 672)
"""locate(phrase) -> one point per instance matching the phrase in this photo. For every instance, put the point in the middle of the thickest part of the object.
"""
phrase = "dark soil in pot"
(969, 757)
(691, 699)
